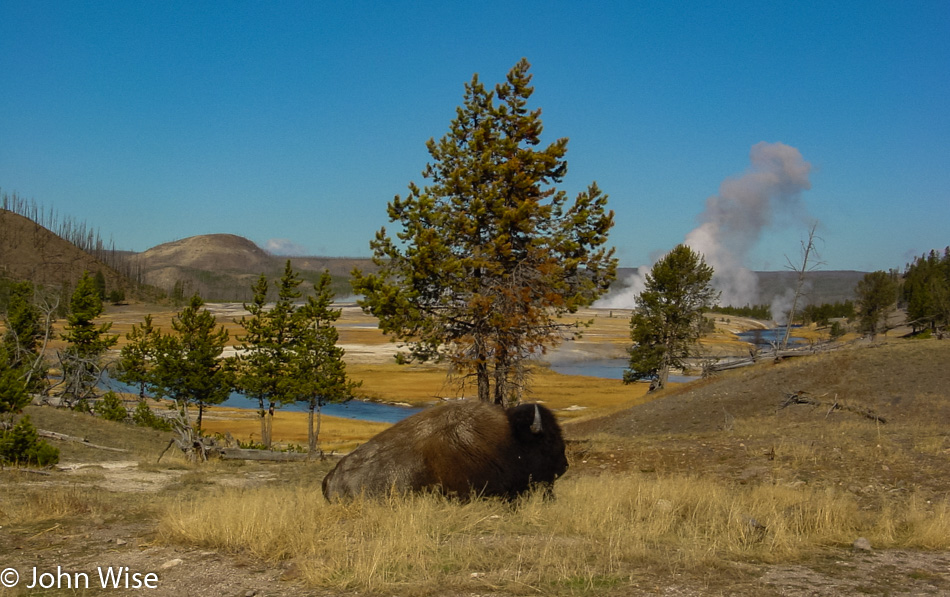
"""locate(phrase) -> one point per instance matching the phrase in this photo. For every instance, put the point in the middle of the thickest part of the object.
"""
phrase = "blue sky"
(299, 121)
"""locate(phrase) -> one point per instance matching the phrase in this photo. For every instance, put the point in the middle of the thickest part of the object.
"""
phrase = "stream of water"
(390, 413)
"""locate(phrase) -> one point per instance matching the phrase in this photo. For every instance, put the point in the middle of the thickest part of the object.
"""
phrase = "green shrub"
(144, 417)
(111, 408)
(21, 445)
(837, 330)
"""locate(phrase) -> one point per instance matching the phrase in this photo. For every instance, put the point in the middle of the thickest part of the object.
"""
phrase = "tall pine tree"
(877, 294)
(490, 252)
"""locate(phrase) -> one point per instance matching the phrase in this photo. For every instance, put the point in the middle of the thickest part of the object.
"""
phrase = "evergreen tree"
(136, 357)
(188, 367)
(82, 360)
(24, 330)
(22, 322)
(111, 407)
(13, 393)
(266, 361)
(19, 442)
(666, 323)
(100, 281)
(926, 291)
(877, 296)
(490, 253)
(21, 445)
(318, 366)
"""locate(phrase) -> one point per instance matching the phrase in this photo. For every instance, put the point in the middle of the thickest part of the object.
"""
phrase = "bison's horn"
(536, 424)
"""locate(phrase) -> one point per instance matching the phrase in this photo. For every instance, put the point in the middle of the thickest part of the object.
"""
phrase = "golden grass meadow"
(706, 488)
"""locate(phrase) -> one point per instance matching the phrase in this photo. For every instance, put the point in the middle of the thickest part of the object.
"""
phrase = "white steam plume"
(733, 221)
(626, 298)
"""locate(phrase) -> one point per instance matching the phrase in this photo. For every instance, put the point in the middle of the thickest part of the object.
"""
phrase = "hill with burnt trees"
(29, 251)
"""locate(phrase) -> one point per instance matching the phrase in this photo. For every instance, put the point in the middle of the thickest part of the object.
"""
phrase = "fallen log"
(262, 455)
(801, 397)
(81, 440)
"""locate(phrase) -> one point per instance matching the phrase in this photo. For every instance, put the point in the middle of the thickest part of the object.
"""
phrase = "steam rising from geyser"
(733, 222)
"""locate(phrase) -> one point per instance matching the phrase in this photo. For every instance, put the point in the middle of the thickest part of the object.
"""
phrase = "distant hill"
(224, 267)
(820, 286)
(29, 251)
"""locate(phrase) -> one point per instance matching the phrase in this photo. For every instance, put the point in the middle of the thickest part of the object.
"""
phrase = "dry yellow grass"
(600, 531)
(336, 433)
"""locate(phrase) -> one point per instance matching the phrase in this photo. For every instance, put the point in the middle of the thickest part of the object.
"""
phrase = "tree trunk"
(481, 373)
(262, 414)
(664, 373)
(807, 249)
(269, 426)
(501, 383)
(312, 435)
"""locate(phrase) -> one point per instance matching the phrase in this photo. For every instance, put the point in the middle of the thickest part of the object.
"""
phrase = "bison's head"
(538, 441)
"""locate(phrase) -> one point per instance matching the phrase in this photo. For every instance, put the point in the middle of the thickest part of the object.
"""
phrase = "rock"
(171, 564)
(292, 572)
(861, 544)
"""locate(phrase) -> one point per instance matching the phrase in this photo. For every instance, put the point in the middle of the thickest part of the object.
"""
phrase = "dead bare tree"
(195, 446)
(81, 377)
(809, 252)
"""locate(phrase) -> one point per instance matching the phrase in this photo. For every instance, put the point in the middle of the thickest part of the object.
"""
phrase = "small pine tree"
(135, 358)
(21, 445)
(490, 252)
(87, 343)
(19, 442)
(111, 408)
(100, 281)
(188, 366)
(669, 314)
(24, 330)
(318, 364)
(144, 417)
(13, 393)
(266, 360)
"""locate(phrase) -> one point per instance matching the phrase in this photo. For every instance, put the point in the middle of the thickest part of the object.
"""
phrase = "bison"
(459, 449)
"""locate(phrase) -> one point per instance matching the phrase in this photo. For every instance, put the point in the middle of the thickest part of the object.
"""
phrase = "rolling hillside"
(28, 251)
(223, 267)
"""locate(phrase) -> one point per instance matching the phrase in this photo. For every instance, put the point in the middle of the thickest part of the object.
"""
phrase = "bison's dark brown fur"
(460, 449)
